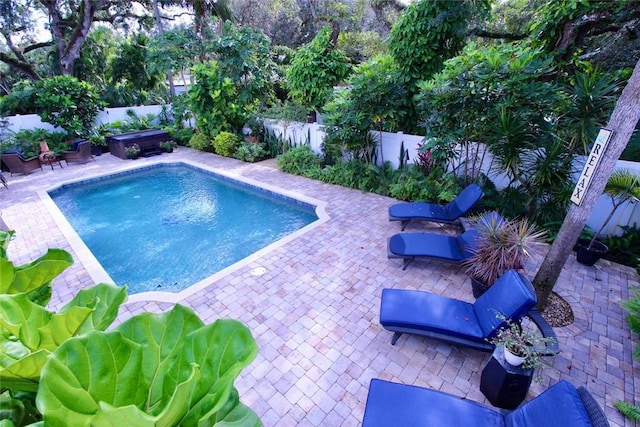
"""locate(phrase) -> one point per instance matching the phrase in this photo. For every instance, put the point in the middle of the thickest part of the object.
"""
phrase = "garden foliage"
(315, 69)
(214, 101)
(226, 144)
(66, 102)
(153, 369)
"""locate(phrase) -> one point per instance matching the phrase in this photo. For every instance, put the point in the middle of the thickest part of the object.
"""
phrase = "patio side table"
(504, 385)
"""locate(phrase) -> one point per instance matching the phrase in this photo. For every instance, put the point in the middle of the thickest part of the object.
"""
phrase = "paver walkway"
(314, 313)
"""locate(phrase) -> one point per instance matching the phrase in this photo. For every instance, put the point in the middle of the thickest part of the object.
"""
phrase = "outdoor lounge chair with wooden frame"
(445, 214)
(561, 405)
(18, 164)
(454, 321)
(80, 154)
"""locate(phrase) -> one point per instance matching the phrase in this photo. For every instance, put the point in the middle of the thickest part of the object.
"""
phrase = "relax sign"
(590, 165)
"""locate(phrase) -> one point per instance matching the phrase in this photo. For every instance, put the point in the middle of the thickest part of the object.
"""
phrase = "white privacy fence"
(302, 133)
(109, 115)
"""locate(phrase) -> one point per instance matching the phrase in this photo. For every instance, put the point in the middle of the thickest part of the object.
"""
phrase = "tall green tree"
(428, 33)
(315, 69)
(623, 122)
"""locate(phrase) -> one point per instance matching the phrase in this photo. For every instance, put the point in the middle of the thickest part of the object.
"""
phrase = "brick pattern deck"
(314, 313)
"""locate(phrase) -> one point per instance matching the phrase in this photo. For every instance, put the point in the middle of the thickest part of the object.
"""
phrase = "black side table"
(504, 385)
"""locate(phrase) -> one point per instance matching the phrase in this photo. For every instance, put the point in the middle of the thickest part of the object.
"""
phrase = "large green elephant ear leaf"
(222, 349)
(39, 272)
(89, 369)
(36, 327)
(174, 342)
(6, 275)
(233, 414)
(105, 301)
(162, 337)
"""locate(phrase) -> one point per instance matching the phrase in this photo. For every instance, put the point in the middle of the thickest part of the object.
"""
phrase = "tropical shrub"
(226, 144)
(68, 103)
(497, 101)
(416, 185)
(624, 249)
(243, 55)
(202, 142)
(374, 99)
(347, 131)
(250, 151)
(21, 100)
(633, 319)
(181, 136)
(298, 160)
(213, 99)
(315, 69)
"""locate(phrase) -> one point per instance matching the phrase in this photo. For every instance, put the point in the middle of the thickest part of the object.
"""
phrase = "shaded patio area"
(314, 311)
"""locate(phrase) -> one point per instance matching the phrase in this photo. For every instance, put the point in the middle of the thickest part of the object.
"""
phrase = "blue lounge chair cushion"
(401, 308)
(562, 401)
(448, 319)
(511, 296)
(434, 212)
(392, 404)
(436, 246)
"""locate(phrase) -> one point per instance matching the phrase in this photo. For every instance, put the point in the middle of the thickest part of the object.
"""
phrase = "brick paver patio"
(314, 312)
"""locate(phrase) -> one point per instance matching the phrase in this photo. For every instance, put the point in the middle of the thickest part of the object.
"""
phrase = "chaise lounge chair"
(447, 214)
(460, 322)
(440, 247)
(561, 405)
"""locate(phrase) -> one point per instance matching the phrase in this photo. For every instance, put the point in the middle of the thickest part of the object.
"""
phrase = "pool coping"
(100, 275)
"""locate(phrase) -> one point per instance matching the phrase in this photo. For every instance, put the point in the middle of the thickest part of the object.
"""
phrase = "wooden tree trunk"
(622, 122)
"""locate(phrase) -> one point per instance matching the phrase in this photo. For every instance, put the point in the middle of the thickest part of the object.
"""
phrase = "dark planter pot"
(478, 288)
(96, 151)
(311, 117)
(588, 256)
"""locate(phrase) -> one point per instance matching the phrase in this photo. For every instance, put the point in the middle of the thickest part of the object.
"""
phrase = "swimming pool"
(168, 226)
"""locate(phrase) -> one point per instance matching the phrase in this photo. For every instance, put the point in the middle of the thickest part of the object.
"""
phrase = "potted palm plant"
(622, 186)
(501, 246)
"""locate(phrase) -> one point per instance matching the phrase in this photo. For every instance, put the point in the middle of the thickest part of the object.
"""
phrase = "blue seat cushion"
(417, 210)
(424, 311)
(437, 246)
(392, 404)
(512, 296)
(465, 201)
(74, 146)
(558, 406)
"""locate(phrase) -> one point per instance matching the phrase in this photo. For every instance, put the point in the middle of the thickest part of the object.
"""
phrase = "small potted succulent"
(132, 151)
(502, 245)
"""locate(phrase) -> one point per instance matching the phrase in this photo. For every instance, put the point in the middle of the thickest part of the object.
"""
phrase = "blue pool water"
(169, 226)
